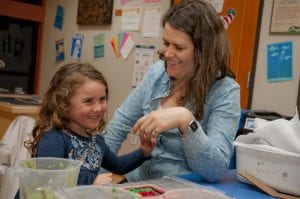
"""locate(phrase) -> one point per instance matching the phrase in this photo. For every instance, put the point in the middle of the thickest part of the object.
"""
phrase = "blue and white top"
(91, 150)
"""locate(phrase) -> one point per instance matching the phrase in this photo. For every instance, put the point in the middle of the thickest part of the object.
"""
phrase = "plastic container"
(41, 177)
(149, 191)
(277, 168)
(96, 192)
(193, 194)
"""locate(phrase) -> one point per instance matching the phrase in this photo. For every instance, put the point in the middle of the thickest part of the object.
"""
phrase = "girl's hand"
(147, 144)
(101, 179)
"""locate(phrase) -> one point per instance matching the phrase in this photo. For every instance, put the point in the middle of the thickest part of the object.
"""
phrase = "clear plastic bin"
(41, 177)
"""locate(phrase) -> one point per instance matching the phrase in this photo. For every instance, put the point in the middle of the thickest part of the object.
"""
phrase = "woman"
(189, 101)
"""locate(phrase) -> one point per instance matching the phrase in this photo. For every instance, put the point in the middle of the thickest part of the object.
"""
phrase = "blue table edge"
(230, 186)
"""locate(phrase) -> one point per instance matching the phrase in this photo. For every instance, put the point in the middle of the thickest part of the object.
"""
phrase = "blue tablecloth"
(230, 186)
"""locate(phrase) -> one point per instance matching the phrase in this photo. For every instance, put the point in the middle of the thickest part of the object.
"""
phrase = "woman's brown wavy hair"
(52, 112)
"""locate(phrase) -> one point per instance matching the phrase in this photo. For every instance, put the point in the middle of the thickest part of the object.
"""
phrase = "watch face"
(194, 126)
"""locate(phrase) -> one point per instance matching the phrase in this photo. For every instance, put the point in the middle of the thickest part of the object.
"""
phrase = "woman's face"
(178, 50)
(87, 106)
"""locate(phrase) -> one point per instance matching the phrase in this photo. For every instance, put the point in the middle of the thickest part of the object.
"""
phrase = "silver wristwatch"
(193, 126)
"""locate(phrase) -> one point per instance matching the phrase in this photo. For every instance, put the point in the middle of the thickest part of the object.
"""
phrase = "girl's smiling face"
(178, 50)
(87, 106)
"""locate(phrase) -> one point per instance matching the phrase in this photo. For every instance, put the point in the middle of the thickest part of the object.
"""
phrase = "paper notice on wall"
(60, 50)
(127, 47)
(150, 1)
(98, 45)
(144, 56)
(280, 61)
(115, 45)
(123, 2)
(152, 22)
(59, 17)
(131, 18)
(77, 42)
(218, 4)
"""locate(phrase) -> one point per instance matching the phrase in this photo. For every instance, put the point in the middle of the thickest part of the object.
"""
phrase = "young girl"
(71, 118)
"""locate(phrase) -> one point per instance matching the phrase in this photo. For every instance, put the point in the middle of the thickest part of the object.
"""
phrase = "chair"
(12, 150)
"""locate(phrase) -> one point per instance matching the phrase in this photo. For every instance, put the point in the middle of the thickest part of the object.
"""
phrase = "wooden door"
(242, 34)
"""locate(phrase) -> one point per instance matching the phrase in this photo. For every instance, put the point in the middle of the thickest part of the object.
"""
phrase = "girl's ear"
(65, 110)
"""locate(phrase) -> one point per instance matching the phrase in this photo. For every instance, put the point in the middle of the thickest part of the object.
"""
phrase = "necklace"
(84, 133)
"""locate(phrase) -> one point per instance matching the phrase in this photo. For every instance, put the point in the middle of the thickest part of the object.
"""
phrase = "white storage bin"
(277, 168)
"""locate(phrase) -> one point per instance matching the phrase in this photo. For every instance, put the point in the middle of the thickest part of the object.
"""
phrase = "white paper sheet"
(127, 47)
(131, 18)
(143, 59)
(152, 22)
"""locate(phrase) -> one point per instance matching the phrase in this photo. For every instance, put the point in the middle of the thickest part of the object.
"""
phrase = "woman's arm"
(209, 152)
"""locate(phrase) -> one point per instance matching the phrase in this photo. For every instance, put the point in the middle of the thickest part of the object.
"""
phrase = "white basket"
(277, 168)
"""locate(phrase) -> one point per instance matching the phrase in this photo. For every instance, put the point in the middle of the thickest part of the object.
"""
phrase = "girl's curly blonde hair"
(52, 112)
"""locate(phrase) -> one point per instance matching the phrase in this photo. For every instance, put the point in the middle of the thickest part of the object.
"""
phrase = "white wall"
(117, 71)
(275, 96)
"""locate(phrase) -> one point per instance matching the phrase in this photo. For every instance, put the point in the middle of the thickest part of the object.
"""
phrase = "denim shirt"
(206, 152)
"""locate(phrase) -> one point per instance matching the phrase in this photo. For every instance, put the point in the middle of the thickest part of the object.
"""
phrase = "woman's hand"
(152, 124)
(101, 179)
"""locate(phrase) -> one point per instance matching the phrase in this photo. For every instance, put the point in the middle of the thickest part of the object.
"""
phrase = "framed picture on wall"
(94, 12)
(285, 18)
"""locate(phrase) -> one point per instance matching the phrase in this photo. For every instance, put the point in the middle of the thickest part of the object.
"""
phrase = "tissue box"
(277, 168)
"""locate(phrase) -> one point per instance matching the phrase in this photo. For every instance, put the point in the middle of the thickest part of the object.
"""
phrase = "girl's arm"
(125, 163)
